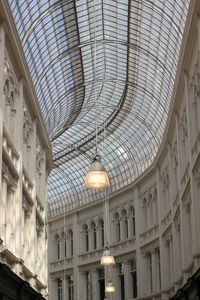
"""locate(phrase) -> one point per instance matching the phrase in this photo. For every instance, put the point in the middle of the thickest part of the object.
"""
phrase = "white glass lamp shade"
(97, 178)
(109, 287)
(107, 259)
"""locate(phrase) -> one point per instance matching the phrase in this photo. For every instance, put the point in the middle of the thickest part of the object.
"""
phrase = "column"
(171, 260)
(3, 204)
(2, 53)
(94, 284)
(32, 221)
(145, 272)
(19, 213)
(176, 251)
(138, 217)
(53, 292)
(112, 272)
(161, 246)
(10, 217)
(127, 285)
(76, 275)
(195, 206)
(179, 189)
(82, 285)
(64, 287)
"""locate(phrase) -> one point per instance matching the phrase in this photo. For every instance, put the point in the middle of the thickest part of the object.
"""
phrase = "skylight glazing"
(104, 67)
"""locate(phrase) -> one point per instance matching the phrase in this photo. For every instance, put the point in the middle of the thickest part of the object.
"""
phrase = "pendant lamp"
(107, 259)
(109, 287)
(97, 177)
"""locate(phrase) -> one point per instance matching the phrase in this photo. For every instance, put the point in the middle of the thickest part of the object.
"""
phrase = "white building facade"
(25, 162)
(154, 223)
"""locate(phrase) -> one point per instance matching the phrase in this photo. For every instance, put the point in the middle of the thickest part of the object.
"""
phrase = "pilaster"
(2, 54)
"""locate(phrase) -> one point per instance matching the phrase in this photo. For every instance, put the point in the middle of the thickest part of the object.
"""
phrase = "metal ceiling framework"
(101, 69)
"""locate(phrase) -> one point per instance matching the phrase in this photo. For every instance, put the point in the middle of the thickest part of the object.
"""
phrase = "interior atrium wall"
(154, 223)
(25, 159)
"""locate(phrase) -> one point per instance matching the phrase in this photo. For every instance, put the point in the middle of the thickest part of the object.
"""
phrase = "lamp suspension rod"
(95, 81)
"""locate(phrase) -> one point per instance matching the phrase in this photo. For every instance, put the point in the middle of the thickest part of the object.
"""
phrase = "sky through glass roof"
(104, 67)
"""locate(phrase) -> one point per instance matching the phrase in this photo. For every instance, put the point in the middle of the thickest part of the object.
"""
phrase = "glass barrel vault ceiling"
(102, 68)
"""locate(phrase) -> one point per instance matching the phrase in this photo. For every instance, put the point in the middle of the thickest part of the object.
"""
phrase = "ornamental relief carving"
(27, 128)
(196, 174)
(175, 155)
(39, 158)
(149, 195)
(165, 179)
(10, 88)
(183, 124)
(195, 81)
(186, 199)
(150, 248)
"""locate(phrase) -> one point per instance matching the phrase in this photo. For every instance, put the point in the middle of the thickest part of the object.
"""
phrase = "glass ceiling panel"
(105, 70)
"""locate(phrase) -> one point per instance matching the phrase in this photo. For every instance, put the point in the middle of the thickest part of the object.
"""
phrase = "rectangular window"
(102, 234)
(133, 278)
(118, 231)
(71, 243)
(121, 280)
(65, 247)
(59, 282)
(87, 240)
(149, 269)
(158, 267)
(133, 219)
(70, 288)
(58, 249)
(88, 277)
(101, 284)
(95, 237)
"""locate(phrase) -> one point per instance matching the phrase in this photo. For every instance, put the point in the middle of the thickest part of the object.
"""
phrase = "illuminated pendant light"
(107, 259)
(97, 177)
(109, 287)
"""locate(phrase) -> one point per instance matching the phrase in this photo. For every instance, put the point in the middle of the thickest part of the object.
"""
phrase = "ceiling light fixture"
(97, 177)
(107, 259)
(109, 287)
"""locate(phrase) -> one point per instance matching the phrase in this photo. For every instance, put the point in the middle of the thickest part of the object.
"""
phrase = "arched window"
(132, 220)
(145, 215)
(117, 227)
(93, 235)
(62, 245)
(86, 237)
(101, 233)
(57, 246)
(126, 227)
(71, 249)
(125, 224)
(65, 246)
